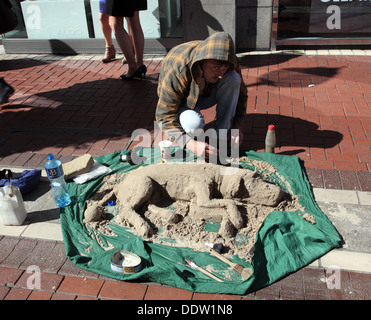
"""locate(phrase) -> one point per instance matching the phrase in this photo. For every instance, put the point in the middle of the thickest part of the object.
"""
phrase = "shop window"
(324, 18)
(78, 19)
(20, 30)
(171, 18)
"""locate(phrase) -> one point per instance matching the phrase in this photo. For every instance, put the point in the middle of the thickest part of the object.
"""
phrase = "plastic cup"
(165, 148)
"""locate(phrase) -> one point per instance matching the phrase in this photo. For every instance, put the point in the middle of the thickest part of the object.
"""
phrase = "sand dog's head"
(248, 186)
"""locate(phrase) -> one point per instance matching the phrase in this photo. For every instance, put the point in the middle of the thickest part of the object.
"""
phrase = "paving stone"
(361, 285)
(44, 230)
(332, 179)
(7, 245)
(315, 177)
(123, 290)
(40, 295)
(167, 293)
(364, 198)
(270, 292)
(210, 296)
(86, 298)
(314, 283)
(352, 222)
(349, 180)
(63, 296)
(39, 255)
(3, 292)
(80, 286)
(339, 285)
(364, 180)
(69, 269)
(292, 287)
(18, 294)
(56, 259)
(37, 280)
(347, 260)
(336, 196)
(20, 253)
(9, 276)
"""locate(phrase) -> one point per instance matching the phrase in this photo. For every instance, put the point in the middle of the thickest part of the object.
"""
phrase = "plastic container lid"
(271, 127)
(50, 156)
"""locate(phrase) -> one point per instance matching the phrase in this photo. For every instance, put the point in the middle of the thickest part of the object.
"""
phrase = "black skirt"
(122, 8)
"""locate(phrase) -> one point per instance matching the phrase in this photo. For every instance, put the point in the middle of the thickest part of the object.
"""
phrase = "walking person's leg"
(110, 52)
(137, 37)
(124, 41)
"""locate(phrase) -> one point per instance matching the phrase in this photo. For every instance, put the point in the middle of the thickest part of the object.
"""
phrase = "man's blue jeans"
(225, 95)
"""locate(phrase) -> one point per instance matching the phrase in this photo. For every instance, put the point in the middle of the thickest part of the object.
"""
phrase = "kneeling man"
(195, 76)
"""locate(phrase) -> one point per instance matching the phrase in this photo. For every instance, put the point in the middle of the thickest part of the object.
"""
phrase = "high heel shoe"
(109, 54)
(142, 70)
(140, 73)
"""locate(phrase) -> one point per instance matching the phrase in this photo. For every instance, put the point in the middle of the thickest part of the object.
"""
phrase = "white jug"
(12, 210)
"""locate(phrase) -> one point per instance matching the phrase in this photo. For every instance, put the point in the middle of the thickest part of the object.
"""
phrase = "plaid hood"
(218, 46)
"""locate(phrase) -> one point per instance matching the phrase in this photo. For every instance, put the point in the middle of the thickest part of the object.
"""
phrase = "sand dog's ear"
(233, 187)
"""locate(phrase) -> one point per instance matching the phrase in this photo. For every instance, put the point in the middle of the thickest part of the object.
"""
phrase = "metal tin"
(125, 262)
(127, 158)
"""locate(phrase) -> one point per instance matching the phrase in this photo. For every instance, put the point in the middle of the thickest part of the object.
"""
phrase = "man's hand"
(202, 149)
(236, 139)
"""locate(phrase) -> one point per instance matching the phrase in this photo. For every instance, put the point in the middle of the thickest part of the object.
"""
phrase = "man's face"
(214, 69)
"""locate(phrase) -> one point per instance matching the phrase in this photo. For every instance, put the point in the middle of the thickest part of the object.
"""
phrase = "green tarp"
(284, 243)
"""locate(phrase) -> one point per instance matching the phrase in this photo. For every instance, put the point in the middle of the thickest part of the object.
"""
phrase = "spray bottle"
(270, 139)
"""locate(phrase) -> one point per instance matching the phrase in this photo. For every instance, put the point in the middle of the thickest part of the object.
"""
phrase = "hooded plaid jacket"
(178, 83)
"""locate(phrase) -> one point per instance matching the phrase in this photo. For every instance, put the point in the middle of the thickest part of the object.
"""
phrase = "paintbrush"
(218, 247)
(205, 272)
(244, 272)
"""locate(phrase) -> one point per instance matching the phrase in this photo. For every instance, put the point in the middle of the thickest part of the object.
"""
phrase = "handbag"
(8, 19)
(12, 210)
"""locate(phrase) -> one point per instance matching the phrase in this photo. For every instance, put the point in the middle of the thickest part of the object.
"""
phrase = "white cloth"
(96, 171)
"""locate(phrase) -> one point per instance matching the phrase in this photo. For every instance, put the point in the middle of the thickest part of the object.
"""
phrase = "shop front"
(72, 26)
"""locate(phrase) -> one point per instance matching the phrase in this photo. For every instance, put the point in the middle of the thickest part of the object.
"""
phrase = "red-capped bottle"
(270, 139)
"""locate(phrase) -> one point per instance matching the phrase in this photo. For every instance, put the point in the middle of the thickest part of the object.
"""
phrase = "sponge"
(77, 166)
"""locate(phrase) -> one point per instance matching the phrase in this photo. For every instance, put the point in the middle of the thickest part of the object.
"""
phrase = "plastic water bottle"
(55, 174)
(270, 139)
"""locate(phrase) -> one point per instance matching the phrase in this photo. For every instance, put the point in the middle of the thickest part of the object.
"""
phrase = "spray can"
(270, 139)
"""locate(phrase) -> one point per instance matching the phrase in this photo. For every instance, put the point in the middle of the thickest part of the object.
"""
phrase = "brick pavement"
(70, 106)
(60, 279)
(319, 104)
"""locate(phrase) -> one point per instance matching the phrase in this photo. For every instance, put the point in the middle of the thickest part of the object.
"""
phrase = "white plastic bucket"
(12, 210)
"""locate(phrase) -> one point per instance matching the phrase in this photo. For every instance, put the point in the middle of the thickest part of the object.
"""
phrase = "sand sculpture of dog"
(206, 185)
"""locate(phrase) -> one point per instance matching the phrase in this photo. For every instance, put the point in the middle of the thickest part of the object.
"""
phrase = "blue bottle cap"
(50, 156)
(110, 203)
